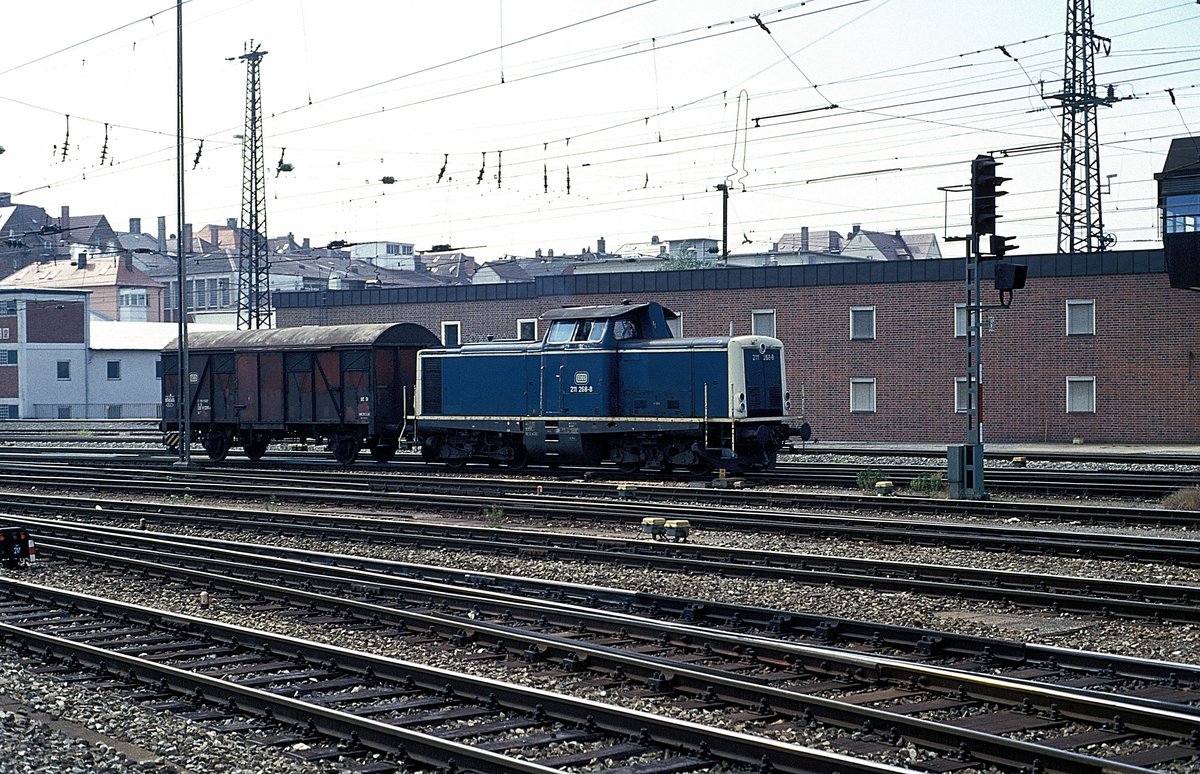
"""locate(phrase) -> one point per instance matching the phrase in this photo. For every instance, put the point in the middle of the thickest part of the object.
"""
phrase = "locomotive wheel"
(255, 445)
(383, 452)
(216, 444)
(520, 458)
(455, 463)
(629, 467)
(345, 449)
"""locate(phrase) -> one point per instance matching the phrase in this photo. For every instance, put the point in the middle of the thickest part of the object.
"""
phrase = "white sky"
(654, 96)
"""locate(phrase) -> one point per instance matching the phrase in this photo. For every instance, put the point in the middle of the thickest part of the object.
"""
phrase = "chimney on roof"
(654, 239)
(898, 234)
(804, 239)
(537, 253)
(601, 245)
(857, 227)
(81, 261)
(307, 244)
(64, 222)
(214, 235)
(5, 199)
(135, 225)
(231, 222)
(550, 253)
(186, 243)
(162, 233)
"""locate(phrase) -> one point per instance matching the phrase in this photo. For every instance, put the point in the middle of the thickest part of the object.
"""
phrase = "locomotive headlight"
(787, 401)
(741, 401)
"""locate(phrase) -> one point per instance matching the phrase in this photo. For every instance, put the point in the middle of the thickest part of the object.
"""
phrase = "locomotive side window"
(625, 329)
(561, 331)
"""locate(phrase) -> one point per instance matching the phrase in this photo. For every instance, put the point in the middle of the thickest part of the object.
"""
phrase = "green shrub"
(929, 484)
(868, 478)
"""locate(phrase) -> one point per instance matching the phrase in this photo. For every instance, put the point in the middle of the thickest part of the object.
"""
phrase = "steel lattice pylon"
(1080, 220)
(254, 260)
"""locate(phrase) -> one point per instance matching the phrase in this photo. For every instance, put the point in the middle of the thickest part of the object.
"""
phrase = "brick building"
(1097, 347)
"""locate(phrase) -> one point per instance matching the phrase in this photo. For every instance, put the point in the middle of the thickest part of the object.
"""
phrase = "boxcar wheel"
(345, 449)
(629, 467)
(216, 444)
(255, 446)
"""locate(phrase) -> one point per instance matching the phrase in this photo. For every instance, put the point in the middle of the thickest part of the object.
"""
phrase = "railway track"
(787, 513)
(1115, 479)
(401, 710)
(873, 698)
(1125, 599)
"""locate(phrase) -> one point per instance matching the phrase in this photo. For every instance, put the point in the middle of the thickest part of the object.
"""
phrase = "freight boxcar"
(350, 386)
(606, 383)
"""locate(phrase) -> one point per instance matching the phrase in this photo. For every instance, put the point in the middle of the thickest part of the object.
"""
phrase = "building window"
(112, 411)
(962, 394)
(1081, 318)
(8, 308)
(64, 372)
(527, 329)
(762, 322)
(8, 357)
(158, 369)
(64, 412)
(11, 411)
(223, 286)
(1081, 395)
(450, 333)
(114, 370)
(1181, 214)
(133, 297)
(862, 396)
(862, 322)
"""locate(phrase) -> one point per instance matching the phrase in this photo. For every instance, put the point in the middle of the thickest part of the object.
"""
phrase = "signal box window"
(527, 329)
(450, 334)
(114, 371)
(1081, 395)
(762, 322)
(64, 372)
(862, 396)
(862, 322)
(1081, 318)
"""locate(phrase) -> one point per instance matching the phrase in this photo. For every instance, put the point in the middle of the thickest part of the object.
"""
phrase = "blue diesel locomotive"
(606, 383)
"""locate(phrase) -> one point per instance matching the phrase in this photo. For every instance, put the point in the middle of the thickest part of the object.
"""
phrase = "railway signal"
(985, 189)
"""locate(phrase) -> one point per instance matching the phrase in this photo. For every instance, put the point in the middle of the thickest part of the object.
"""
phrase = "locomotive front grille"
(431, 385)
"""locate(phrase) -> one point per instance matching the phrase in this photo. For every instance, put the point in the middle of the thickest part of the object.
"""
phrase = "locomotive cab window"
(590, 330)
(625, 329)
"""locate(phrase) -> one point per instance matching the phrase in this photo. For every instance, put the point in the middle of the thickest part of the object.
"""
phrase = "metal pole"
(185, 412)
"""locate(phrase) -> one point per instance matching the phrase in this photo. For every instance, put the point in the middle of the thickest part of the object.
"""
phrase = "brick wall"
(1143, 354)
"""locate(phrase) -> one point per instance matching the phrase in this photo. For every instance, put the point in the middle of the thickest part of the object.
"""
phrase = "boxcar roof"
(599, 312)
(311, 337)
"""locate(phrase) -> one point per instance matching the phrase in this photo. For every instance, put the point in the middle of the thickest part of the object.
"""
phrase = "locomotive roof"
(600, 312)
(311, 337)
